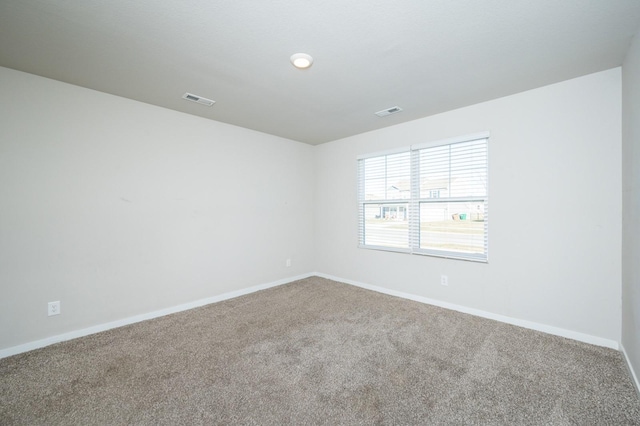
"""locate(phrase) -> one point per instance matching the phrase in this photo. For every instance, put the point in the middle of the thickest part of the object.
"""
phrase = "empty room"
(320, 212)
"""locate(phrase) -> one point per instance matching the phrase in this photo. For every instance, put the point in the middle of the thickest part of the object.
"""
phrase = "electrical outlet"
(444, 280)
(288, 263)
(54, 308)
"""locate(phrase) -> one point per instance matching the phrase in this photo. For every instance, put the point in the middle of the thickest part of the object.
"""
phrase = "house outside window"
(429, 199)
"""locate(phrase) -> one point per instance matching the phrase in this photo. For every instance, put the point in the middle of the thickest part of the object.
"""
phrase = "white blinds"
(385, 189)
(427, 200)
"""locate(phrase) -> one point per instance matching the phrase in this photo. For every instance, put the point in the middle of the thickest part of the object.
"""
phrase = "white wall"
(631, 205)
(557, 261)
(118, 208)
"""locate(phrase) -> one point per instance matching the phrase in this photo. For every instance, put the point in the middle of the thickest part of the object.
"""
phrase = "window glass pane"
(374, 189)
(469, 169)
(388, 177)
(386, 225)
(454, 226)
(434, 172)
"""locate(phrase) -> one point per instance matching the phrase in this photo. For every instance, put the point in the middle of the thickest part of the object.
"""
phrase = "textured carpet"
(318, 352)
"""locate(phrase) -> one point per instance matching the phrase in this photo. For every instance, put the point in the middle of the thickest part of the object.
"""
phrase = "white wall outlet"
(54, 308)
(444, 280)
(288, 263)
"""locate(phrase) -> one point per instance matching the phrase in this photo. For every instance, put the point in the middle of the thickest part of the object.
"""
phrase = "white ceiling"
(426, 56)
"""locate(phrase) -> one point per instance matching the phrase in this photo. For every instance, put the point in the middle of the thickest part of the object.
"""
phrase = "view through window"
(427, 199)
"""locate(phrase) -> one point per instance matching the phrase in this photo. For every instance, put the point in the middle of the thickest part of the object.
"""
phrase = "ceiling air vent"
(198, 99)
(388, 111)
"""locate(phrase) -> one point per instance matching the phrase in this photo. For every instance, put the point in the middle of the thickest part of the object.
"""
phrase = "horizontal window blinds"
(431, 200)
(385, 188)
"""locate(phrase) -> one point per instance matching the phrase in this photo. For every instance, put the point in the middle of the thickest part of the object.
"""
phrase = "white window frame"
(414, 202)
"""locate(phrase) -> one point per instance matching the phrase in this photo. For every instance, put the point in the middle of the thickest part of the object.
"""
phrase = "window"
(427, 199)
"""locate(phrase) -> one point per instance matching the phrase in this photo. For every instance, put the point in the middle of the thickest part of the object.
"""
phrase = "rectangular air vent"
(388, 111)
(198, 99)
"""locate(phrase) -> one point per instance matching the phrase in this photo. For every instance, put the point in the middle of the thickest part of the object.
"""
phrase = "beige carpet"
(318, 352)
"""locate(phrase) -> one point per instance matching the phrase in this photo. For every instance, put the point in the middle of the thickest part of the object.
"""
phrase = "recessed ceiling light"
(301, 60)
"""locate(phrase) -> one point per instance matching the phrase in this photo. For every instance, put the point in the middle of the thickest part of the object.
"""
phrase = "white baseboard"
(582, 337)
(634, 376)
(142, 317)
(599, 341)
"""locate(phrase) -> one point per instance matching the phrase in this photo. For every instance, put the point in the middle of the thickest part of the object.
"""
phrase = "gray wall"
(118, 208)
(631, 205)
(554, 209)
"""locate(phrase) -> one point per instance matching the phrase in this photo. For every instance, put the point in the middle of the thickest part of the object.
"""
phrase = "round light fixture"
(301, 60)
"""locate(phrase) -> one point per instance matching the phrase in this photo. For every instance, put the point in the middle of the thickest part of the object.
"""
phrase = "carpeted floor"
(318, 352)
